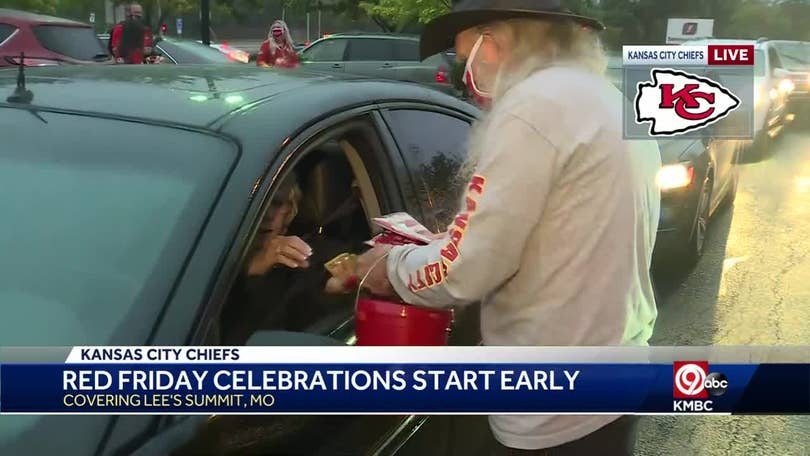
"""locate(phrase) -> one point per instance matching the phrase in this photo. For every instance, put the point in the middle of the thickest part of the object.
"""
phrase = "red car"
(47, 40)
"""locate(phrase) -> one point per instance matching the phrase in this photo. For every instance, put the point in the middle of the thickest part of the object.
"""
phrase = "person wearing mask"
(131, 40)
(278, 49)
(554, 236)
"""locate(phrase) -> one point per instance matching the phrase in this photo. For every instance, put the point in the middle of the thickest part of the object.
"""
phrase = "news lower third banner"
(405, 380)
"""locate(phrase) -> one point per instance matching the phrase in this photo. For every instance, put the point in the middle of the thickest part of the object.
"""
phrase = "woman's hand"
(290, 251)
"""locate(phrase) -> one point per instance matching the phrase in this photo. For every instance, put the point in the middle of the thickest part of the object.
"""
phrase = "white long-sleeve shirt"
(554, 236)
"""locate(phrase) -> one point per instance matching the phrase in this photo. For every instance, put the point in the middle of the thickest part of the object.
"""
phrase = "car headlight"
(786, 86)
(675, 176)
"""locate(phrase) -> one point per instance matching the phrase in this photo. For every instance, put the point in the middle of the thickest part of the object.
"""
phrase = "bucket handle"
(363, 280)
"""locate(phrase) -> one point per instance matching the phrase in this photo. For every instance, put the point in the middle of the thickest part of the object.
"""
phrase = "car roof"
(390, 36)
(757, 43)
(204, 96)
(26, 17)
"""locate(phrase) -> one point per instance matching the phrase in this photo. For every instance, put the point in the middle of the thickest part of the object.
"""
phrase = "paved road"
(752, 287)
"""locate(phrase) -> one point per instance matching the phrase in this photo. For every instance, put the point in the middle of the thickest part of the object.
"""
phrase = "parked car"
(794, 57)
(47, 40)
(184, 52)
(162, 186)
(237, 55)
(697, 178)
(387, 56)
(771, 89)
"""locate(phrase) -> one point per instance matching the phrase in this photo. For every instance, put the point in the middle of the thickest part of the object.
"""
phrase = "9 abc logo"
(692, 380)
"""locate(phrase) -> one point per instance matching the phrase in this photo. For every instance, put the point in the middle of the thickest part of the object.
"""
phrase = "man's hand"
(290, 251)
(373, 263)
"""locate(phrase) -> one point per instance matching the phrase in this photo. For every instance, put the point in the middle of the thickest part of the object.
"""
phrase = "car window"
(407, 50)
(5, 32)
(79, 43)
(330, 50)
(103, 222)
(437, 60)
(366, 49)
(759, 63)
(773, 59)
(794, 56)
(434, 146)
(190, 52)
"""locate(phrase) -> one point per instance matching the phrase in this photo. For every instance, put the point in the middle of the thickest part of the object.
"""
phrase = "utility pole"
(205, 21)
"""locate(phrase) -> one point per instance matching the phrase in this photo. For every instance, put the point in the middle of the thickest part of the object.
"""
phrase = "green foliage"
(402, 13)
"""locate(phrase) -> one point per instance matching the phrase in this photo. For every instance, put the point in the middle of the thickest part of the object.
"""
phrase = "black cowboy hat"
(440, 33)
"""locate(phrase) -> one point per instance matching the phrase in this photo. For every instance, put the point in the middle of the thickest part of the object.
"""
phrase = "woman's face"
(279, 215)
(278, 33)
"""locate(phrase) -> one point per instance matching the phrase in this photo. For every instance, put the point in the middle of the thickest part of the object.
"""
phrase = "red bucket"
(387, 323)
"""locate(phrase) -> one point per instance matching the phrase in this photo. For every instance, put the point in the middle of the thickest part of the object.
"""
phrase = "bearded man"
(555, 235)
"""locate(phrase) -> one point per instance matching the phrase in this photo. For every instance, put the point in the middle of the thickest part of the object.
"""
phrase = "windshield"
(190, 52)
(79, 43)
(102, 224)
(794, 56)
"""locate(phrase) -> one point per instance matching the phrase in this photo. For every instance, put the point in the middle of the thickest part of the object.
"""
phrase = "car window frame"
(281, 159)
(320, 43)
(163, 52)
(14, 31)
(45, 26)
(352, 40)
(774, 63)
(400, 58)
(385, 109)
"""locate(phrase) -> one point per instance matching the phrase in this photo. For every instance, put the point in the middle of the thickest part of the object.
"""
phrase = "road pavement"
(752, 287)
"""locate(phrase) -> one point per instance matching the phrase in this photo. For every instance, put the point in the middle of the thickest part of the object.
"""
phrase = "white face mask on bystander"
(477, 81)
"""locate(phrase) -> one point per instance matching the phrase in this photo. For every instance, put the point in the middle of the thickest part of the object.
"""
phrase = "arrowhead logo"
(676, 102)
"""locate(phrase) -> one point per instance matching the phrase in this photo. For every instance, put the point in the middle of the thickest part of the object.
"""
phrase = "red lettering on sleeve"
(471, 204)
(477, 184)
(455, 237)
(461, 221)
(450, 252)
(433, 272)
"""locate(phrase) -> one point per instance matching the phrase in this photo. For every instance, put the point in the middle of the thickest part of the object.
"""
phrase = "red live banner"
(731, 54)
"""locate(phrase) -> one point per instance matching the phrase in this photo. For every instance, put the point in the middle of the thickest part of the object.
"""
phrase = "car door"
(776, 74)
(433, 144)
(372, 57)
(723, 153)
(325, 55)
(409, 66)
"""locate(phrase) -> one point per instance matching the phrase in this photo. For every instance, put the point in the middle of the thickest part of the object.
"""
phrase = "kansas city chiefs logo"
(676, 102)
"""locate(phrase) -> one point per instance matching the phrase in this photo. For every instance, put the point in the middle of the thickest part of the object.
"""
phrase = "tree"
(49, 6)
(402, 13)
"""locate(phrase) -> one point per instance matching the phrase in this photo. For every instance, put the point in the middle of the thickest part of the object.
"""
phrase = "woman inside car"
(273, 259)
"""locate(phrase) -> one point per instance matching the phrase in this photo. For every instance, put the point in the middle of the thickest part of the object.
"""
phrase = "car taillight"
(442, 76)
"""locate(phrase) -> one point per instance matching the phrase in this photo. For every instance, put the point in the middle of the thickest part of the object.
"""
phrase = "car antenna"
(21, 94)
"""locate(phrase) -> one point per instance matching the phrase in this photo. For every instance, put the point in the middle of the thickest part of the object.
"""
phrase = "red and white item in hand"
(400, 229)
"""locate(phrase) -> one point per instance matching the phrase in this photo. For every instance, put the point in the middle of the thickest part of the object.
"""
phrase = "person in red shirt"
(278, 50)
(131, 40)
